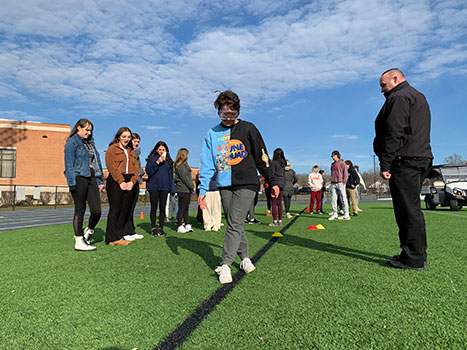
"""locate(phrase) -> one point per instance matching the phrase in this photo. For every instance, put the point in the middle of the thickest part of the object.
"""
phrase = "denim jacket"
(77, 161)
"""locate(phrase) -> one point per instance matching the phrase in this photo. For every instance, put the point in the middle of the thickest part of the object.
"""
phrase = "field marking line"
(445, 214)
(180, 334)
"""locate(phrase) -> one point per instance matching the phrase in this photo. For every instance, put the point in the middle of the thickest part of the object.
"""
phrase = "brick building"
(31, 153)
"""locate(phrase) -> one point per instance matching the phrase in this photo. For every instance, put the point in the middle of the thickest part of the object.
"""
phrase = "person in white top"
(315, 182)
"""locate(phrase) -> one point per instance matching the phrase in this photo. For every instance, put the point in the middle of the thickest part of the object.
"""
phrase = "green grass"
(324, 289)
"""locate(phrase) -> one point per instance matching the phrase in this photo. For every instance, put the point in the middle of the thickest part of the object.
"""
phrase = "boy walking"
(234, 149)
(339, 176)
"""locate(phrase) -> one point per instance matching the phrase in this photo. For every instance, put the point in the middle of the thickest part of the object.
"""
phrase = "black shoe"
(397, 258)
(247, 221)
(154, 232)
(322, 212)
(355, 214)
(396, 264)
(162, 233)
(254, 221)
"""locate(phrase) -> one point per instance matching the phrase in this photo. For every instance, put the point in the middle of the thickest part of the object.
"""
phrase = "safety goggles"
(227, 114)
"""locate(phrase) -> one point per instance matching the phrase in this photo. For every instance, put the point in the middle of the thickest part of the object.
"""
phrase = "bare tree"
(454, 159)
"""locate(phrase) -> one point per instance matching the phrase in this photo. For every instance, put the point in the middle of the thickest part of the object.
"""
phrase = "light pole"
(374, 173)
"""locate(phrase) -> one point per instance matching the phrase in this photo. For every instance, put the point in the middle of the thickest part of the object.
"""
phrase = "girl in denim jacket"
(83, 172)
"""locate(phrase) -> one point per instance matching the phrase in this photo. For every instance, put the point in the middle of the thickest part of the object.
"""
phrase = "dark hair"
(168, 158)
(82, 124)
(278, 154)
(228, 98)
(119, 133)
(394, 71)
(356, 167)
(349, 163)
(315, 166)
(336, 153)
(321, 171)
(135, 136)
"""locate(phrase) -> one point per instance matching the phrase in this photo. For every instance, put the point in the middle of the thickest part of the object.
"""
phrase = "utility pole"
(374, 173)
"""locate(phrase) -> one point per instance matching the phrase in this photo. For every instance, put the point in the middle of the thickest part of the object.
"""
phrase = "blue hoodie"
(160, 176)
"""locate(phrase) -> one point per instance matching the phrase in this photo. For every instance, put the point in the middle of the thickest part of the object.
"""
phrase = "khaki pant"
(212, 214)
(352, 198)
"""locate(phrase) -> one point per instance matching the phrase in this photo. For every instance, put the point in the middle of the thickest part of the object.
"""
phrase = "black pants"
(129, 228)
(119, 208)
(183, 207)
(287, 199)
(158, 198)
(405, 183)
(86, 190)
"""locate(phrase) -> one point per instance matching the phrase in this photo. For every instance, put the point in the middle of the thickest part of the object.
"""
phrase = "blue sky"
(306, 72)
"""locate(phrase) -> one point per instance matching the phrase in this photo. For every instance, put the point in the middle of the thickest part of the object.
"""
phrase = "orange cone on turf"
(141, 216)
(313, 227)
(307, 210)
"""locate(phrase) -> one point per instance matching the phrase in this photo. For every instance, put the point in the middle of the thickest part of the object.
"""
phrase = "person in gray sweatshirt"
(339, 174)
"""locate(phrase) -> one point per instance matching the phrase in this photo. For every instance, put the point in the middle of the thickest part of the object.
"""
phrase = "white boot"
(81, 245)
(87, 235)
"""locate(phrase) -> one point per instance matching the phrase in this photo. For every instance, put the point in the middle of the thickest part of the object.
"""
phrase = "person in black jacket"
(402, 144)
(350, 187)
(278, 170)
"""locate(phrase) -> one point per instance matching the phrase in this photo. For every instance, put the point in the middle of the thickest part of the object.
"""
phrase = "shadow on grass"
(98, 236)
(327, 247)
(203, 249)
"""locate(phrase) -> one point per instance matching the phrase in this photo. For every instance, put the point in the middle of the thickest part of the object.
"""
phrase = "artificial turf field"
(313, 289)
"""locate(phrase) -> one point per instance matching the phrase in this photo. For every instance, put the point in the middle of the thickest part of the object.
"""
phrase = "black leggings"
(158, 198)
(130, 224)
(86, 190)
(287, 199)
(183, 207)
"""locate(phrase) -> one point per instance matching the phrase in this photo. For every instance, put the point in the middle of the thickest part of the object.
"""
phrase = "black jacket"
(278, 171)
(353, 178)
(402, 126)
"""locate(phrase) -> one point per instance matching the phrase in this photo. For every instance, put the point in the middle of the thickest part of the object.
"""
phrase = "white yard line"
(444, 213)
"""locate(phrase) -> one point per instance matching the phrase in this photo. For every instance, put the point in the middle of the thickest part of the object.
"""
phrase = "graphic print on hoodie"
(234, 153)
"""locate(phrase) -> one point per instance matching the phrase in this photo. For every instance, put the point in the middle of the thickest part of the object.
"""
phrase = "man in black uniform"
(402, 144)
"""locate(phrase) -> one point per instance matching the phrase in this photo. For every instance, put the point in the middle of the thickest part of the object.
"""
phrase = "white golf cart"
(447, 187)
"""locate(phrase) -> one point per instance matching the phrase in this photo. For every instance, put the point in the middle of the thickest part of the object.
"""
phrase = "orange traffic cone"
(307, 210)
(141, 216)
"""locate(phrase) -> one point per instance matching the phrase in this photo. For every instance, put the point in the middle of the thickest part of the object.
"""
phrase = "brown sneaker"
(120, 242)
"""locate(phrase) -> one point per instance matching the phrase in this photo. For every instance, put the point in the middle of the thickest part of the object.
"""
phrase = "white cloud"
(345, 136)
(21, 115)
(153, 127)
(109, 57)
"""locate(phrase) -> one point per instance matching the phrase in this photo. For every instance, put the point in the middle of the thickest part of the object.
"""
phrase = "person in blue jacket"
(235, 150)
(83, 172)
(159, 168)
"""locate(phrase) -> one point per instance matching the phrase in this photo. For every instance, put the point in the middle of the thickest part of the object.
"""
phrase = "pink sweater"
(339, 172)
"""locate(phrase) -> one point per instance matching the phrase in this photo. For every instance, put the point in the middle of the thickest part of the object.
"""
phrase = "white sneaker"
(341, 212)
(288, 215)
(346, 217)
(182, 229)
(87, 235)
(137, 236)
(224, 273)
(188, 228)
(333, 217)
(82, 246)
(247, 266)
(130, 238)
(358, 209)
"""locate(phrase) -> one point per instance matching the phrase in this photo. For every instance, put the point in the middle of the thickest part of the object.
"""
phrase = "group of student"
(233, 153)
(345, 180)
(84, 174)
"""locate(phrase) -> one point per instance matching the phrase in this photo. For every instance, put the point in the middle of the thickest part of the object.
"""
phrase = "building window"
(7, 162)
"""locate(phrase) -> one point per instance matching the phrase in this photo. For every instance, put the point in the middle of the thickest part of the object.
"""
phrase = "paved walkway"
(24, 218)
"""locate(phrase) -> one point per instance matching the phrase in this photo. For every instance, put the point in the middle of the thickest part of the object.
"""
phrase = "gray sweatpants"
(235, 204)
